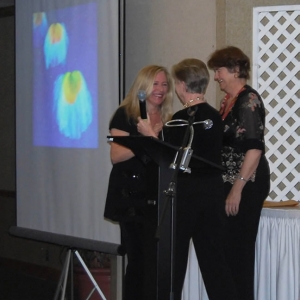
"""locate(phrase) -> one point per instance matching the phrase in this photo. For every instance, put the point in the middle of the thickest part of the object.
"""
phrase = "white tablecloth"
(277, 265)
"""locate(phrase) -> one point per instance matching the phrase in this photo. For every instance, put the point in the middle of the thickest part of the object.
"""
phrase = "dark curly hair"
(231, 58)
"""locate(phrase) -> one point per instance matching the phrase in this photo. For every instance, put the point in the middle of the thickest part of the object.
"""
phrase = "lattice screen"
(276, 76)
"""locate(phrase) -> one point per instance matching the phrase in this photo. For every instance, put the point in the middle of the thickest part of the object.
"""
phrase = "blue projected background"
(65, 83)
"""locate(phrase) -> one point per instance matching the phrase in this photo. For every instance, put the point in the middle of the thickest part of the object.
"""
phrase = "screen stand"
(62, 284)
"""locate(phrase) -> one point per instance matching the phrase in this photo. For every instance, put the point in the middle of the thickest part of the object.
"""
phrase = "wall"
(234, 23)
(165, 32)
(239, 23)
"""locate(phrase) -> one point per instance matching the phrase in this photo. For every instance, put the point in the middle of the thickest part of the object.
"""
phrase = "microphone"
(142, 98)
(207, 124)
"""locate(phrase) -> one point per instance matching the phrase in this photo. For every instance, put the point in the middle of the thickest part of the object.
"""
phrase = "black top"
(122, 122)
(206, 144)
(244, 130)
(127, 183)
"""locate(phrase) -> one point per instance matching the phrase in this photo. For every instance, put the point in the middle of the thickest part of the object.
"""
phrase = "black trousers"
(138, 238)
(201, 217)
(242, 234)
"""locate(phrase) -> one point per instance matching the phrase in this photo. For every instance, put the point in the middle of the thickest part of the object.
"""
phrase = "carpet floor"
(21, 283)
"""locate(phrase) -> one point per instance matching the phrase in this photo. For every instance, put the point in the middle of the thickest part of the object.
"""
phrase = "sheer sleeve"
(251, 118)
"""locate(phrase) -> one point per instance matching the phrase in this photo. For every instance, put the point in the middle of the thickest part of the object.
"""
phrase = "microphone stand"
(171, 196)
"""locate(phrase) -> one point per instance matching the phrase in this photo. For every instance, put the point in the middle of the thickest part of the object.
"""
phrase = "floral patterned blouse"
(244, 128)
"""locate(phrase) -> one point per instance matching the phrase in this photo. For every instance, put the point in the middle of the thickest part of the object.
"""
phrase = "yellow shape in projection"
(56, 32)
(56, 45)
(72, 83)
(38, 18)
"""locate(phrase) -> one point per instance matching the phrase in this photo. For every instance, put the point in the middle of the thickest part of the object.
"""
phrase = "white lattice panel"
(276, 76)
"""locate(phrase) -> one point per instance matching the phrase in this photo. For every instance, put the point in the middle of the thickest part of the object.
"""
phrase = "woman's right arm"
(119, 153)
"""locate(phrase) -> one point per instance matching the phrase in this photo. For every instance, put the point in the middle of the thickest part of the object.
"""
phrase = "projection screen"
(67, 87)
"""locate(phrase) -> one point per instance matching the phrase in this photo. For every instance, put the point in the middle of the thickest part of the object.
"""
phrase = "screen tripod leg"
(62, 284)
(96, 286)
(63, 277)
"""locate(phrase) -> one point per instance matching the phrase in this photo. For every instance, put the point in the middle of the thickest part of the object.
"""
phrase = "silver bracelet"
(242, 178)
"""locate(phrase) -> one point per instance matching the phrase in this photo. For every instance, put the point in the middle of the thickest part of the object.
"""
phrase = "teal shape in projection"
(56, 45)
(72, 104)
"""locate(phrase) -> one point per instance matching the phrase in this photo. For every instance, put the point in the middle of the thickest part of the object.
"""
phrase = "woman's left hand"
(250, 164)
(232, 203)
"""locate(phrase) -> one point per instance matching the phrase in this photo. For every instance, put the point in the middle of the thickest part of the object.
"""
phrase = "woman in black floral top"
(247, 175)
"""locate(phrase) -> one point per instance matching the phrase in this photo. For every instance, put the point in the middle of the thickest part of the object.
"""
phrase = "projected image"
(40, 27)
(56, 45)
(65, 79)
(73, 105)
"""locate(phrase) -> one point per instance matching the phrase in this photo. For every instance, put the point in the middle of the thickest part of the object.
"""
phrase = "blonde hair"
(144, 81)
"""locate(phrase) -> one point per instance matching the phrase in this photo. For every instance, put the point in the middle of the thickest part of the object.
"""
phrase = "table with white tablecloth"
(277, 263)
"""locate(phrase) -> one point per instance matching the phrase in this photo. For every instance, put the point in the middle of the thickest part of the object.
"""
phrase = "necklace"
(187, 104)
(225, 106)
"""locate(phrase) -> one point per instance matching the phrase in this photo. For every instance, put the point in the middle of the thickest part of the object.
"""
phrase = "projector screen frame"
(24, 133)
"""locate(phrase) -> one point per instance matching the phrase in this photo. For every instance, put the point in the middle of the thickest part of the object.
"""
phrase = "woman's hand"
(145, 128)
(233, 202)
(249, 166)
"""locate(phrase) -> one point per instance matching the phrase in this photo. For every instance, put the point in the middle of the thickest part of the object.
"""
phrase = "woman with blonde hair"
(131, 186)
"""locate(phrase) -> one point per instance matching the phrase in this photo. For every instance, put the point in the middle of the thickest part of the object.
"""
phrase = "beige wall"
(234, 23)
(239, 20)
(165, 32)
